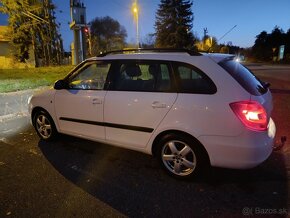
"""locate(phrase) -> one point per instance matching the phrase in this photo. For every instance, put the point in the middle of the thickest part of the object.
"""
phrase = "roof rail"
(144, 50)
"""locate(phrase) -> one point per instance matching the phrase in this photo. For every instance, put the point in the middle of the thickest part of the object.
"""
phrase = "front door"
(79, 109)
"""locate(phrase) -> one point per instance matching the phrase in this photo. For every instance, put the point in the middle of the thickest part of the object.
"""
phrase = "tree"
(19, 31)
(148, 41)
(106, 34)
(267, 45)
(261, 49)
(33, 24)
(173, 24)
(287, 45)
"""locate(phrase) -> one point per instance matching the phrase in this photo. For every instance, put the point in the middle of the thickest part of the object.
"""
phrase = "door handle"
(157, 104)
(97, 101)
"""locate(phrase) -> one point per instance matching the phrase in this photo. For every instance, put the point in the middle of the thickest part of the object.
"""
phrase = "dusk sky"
(250, 16)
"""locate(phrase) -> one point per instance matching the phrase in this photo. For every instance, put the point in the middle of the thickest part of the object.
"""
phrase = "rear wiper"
(266, 85)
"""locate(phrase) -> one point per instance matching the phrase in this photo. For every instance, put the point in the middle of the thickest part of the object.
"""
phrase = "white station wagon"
(188, 109)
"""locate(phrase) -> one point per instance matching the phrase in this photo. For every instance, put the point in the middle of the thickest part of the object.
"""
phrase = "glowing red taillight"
(252, 114)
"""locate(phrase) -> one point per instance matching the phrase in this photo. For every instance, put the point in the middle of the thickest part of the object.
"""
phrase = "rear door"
(140, 95)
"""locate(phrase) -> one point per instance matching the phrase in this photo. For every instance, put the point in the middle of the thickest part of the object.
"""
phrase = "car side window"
(91, 76)
(148, 76)
(192, 80)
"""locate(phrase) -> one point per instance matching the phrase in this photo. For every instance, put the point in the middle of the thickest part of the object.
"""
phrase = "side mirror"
(60, 84)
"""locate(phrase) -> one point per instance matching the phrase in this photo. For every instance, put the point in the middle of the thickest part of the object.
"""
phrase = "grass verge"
(22, 79)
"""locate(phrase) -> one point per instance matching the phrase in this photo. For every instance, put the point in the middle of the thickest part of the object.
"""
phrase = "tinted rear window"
(244, 77)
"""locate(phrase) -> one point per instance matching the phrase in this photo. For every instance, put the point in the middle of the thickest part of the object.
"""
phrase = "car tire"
(44, 126)
(182, 156)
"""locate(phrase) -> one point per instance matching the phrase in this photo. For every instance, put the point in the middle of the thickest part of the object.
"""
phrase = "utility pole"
(205, 32)
(78, 25)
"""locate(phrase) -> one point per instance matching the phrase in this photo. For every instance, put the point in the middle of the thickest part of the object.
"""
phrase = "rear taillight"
(252, 114)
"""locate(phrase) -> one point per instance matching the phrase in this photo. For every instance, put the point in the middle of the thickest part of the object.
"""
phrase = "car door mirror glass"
(60, 84)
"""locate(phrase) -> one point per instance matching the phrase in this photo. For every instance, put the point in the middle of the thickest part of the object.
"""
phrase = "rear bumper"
(241, 152)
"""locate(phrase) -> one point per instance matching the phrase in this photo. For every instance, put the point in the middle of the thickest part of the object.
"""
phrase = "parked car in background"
(188, 109)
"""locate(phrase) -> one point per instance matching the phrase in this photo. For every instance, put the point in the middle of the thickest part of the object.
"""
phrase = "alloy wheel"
(179, 158)
(43, 126)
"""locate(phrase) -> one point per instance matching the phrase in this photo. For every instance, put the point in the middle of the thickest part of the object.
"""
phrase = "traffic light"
(86, 31)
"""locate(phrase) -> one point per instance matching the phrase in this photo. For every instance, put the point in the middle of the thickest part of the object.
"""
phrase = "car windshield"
(244, 77)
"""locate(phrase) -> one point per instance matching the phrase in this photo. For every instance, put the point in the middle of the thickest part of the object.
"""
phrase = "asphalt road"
(77, 178)
(277, 75)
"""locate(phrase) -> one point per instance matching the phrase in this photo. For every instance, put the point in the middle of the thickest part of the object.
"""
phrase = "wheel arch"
(178, 132)
(38, 109)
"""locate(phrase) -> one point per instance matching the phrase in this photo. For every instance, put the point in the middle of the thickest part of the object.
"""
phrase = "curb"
(5, 118)
(21, 92)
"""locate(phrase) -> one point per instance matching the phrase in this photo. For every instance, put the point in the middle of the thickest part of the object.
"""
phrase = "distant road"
(277, 75)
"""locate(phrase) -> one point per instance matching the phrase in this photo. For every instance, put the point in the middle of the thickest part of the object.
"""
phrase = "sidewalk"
(15, 104)
(14, 112)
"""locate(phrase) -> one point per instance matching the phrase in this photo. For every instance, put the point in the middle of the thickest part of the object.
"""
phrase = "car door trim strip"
(112, 125)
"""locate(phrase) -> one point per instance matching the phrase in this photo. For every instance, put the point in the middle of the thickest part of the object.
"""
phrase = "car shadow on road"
(134, 183)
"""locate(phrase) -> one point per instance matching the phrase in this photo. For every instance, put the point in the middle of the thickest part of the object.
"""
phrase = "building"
(6, 49)
(6, 53)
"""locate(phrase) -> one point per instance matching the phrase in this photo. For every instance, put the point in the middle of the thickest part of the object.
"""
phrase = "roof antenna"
(223, 36)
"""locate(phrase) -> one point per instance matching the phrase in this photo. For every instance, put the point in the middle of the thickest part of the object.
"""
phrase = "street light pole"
(137, 29)
(136, 15)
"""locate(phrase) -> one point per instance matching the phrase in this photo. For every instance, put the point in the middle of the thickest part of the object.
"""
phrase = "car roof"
(159, 54)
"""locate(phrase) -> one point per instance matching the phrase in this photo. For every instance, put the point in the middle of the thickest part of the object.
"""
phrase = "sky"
(219, 16)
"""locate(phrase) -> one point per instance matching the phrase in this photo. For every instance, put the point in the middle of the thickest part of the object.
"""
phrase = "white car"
(190, 110)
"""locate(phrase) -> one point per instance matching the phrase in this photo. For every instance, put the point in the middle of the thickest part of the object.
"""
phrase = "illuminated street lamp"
(136, 17)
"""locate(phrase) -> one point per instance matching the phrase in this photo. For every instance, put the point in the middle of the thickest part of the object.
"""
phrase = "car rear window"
(244, 77)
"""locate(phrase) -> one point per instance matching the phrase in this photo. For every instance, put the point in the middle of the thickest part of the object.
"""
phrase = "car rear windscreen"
(244, 77)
